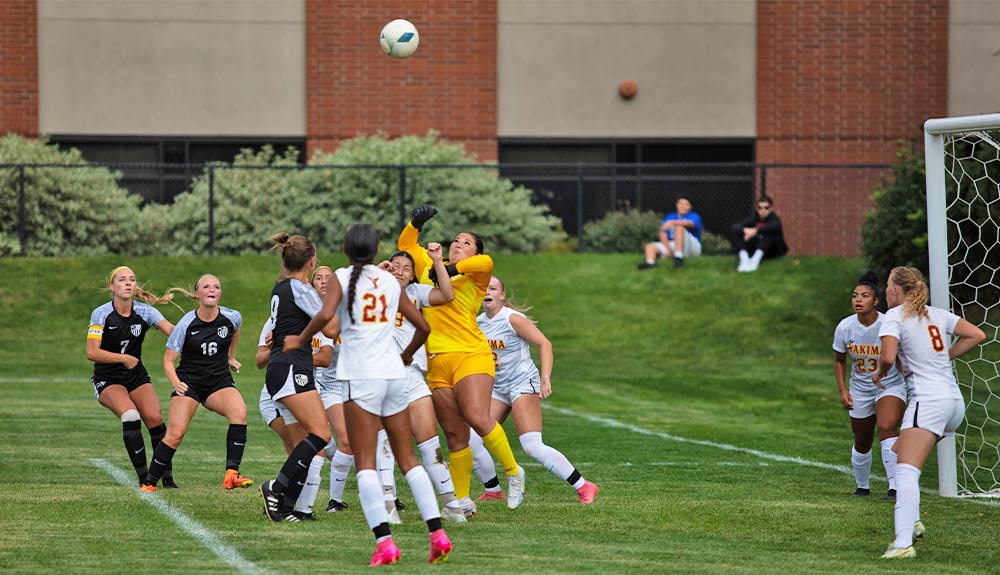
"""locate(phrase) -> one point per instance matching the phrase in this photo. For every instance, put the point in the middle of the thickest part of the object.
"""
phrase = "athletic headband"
(316, 271)
(114, 272)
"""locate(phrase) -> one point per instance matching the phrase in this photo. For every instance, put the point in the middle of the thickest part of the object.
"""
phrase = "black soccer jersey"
(293, 305)
(121, 334)
(204, 345)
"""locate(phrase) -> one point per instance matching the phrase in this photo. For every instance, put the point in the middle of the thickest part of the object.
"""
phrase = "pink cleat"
(386, 553)
(587, 493)
(487, 495)
(440, 547)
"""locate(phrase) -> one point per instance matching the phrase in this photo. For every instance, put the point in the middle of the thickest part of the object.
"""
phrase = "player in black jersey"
(121, 383)
(206, 340)
(290, 375)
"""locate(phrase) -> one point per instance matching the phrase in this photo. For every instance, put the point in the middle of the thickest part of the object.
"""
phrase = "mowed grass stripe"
(219, 548)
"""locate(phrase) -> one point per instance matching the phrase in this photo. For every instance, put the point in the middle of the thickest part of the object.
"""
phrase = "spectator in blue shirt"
(680, 236)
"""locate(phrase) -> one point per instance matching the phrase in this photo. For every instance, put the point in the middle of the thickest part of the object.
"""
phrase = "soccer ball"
(399, 38)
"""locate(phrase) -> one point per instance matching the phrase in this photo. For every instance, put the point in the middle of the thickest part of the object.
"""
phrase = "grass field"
(702, 402)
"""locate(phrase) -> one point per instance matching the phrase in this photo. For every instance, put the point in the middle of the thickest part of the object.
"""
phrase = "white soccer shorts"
(331, 392)
(935, 415)
(508, 394)
(382, 397)
(865, 399)
(416, 385)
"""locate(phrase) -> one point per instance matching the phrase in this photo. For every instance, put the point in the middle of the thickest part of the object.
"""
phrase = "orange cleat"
(234, 480)
(147, 488)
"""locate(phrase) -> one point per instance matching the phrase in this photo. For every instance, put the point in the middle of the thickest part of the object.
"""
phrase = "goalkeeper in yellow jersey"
(460, 365)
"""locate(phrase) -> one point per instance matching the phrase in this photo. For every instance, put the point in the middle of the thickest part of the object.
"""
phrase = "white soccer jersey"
(923, 350)
(420, 295)
(318, 341)
(511, 353)
(367, 347)
(863, 346)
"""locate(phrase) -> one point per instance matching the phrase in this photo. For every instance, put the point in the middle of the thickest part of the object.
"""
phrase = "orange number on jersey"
(873, 365)
(936, 341)
(496, 361)
(862, 365)
(368, 312)
(399, 319)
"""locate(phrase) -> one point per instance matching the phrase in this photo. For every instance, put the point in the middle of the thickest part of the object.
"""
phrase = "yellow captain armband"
(95, 332)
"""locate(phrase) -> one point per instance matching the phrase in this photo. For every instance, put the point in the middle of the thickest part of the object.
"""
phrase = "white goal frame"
(937, 246)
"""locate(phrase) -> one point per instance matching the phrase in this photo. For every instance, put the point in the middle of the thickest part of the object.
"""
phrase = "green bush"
(621, 232)
(323, 200)
(68, 211)
(715, 244)
(895, 230)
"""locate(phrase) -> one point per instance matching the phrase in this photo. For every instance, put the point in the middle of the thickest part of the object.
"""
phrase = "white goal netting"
(972, 197)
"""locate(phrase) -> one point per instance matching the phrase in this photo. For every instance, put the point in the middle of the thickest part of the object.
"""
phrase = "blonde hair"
(184, 292)
(911, 282)
(140, 292)
(514, 306)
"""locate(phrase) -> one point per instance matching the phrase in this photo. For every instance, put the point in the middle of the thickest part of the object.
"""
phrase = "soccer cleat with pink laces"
(440, 547)
(386, 553)
(587, 493)
(487, 495)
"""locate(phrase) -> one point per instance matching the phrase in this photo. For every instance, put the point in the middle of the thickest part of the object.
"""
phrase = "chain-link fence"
(822, 205)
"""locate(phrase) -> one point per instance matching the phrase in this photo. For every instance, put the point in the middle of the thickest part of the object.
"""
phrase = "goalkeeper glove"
(452, 270)
(421, 214)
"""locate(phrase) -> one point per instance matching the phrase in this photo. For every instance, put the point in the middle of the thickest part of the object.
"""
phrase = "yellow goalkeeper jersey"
(453, 325)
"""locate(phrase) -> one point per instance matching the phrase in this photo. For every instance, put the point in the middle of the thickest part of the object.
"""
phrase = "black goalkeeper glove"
(421, 214)
(452, 270)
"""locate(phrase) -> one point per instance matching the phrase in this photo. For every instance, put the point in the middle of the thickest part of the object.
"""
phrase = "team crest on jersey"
(136, 329)
(223, 331)
(301, 379)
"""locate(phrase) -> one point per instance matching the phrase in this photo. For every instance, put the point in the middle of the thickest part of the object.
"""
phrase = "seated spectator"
(680, 236)
(759, 235)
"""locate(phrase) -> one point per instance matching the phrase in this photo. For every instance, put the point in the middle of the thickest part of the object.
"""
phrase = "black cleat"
(302, 516)
(645, 266)
(335, 506)
(890, 495)
(273, 506)
(399, 506)
(678, 262)
(862, 492)
(168, 483)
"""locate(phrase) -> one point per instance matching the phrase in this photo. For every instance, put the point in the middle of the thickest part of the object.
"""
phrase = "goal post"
(962, 157)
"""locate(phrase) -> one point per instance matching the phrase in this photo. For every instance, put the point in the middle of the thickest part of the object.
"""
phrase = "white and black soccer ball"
(399, 38)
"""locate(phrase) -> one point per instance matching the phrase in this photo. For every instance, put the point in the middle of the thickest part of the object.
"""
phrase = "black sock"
(573, 477)
(381, 530)
(136, 447)
(156, 435)
(162, 457)
(292, 476)
(236, 440)
(492, 483)
(433, 524)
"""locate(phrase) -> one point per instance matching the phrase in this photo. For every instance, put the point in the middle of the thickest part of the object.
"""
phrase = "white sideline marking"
(226, 553)
(608, 422)
(43, 379)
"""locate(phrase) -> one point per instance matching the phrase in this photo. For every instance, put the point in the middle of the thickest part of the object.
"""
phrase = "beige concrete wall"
(974, 57)
(560, 63)
(177, 67)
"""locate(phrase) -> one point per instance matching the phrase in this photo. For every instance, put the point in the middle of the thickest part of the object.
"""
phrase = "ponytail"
(356, 268)
(911, 282)
(295, 252)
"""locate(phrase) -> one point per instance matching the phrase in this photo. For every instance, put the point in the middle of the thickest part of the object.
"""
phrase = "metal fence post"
(579, 207)
(211, 211)
(763, 180)
(22, 232)
(402, 197)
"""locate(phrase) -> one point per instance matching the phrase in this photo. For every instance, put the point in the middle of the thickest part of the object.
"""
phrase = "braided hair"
(360, 247)
(911, 281)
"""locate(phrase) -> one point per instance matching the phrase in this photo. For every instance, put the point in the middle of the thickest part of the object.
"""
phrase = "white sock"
(550, 458)
(907, 510)
(370, 494)
(482, 460)
(423, 492)
(744, 258)
(862, 464)
(889, 460)
(386, 466)
(430, 453)
(679, 255)
(340, 466)
(754, 262)
(650, 262)
(310, 490)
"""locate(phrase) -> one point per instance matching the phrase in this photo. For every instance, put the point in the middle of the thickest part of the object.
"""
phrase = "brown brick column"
(449, 85)
(842, 81)
(19, 67)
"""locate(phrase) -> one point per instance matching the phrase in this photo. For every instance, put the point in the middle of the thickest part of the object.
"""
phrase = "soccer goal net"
(963, 232)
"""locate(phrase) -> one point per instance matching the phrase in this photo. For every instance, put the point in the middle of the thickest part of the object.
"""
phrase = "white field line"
(608, 422)
(45, 379)
(220, 549)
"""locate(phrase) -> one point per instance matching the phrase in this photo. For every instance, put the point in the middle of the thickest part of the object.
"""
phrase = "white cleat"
(515, 489)
(899, 552)
(454, 514)
(391, 513)
(919, 531)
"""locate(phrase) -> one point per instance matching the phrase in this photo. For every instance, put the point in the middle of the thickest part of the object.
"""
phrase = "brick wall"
(19, 67)
(842, 81)
(449, 85)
